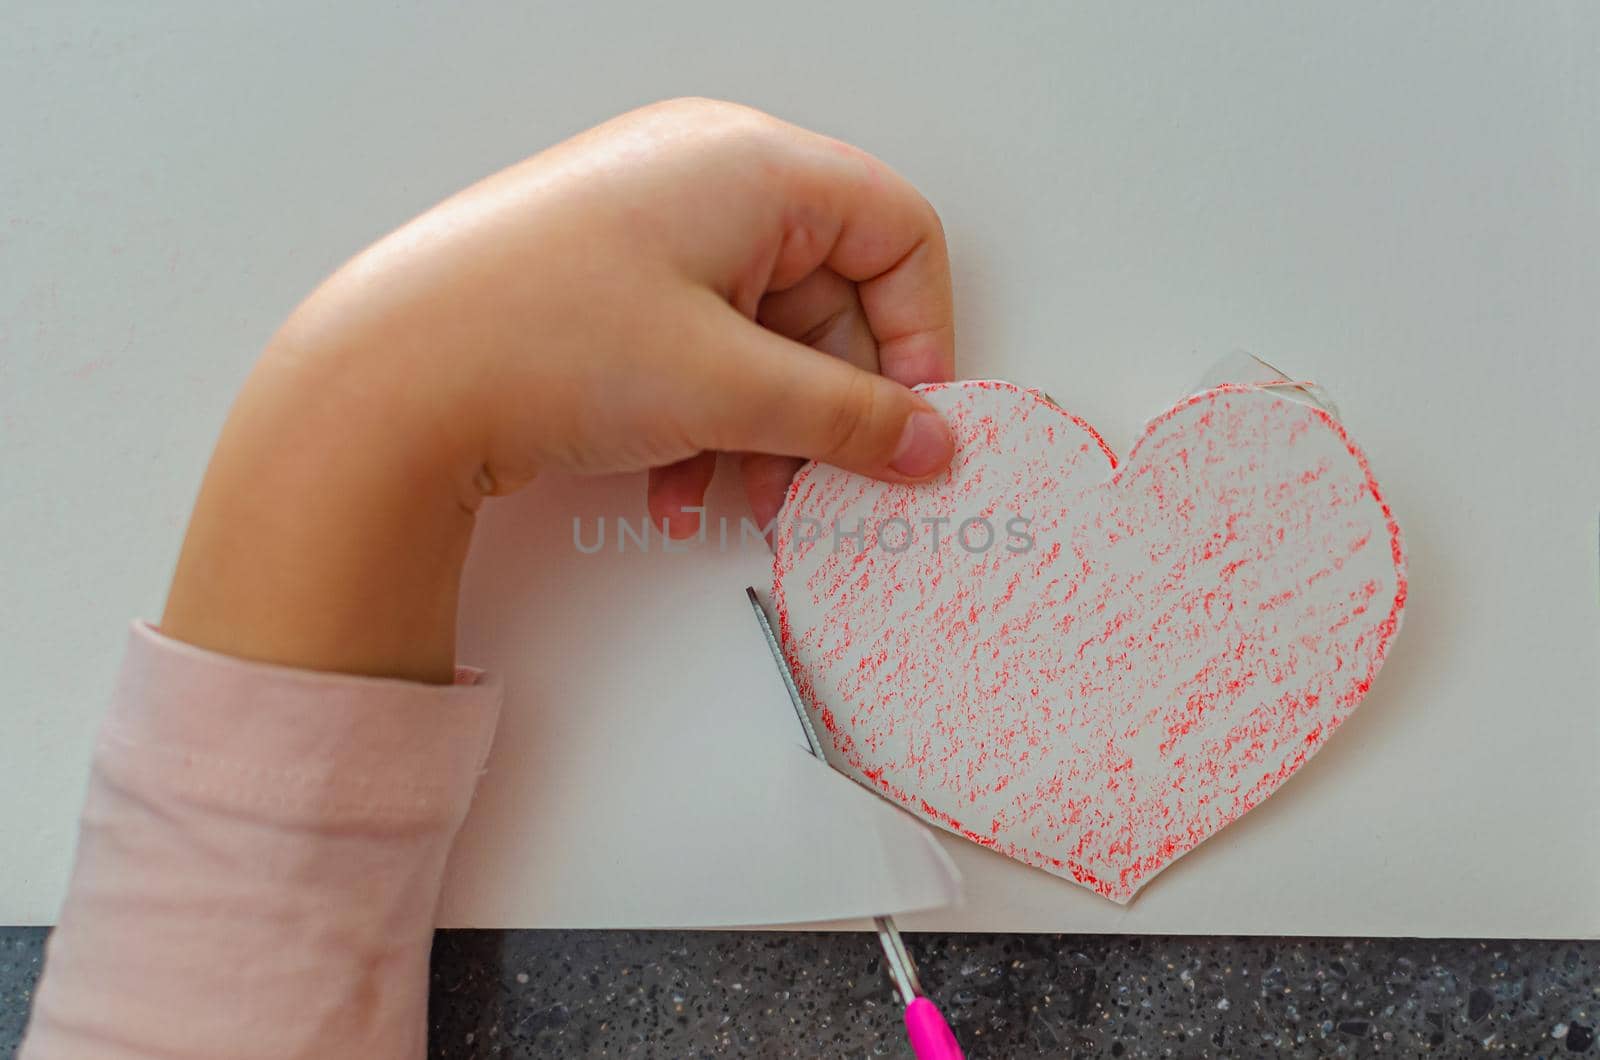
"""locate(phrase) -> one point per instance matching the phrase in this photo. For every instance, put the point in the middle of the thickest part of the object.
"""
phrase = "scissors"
(929, 1034)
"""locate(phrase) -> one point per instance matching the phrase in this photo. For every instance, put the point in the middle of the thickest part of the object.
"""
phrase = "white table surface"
(1401, 202)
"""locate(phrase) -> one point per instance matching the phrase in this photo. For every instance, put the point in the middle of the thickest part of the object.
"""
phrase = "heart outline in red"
(1105, 874)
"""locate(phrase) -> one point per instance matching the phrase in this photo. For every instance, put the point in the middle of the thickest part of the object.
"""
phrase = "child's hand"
(592, 309)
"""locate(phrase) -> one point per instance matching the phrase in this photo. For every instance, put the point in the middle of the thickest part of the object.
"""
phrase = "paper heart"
(1137, 657)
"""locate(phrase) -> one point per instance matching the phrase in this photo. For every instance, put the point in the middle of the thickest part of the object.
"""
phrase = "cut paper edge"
(1273, 384)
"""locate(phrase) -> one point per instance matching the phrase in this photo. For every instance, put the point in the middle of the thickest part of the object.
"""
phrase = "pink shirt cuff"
(259, 860)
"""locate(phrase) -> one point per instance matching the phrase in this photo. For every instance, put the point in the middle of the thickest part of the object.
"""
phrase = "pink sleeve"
(259, 861)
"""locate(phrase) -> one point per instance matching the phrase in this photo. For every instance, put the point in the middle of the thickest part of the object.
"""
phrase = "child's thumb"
(792, 400)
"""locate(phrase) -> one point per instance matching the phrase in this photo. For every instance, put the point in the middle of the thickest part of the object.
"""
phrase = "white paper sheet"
(609, 803)
(1397, 202)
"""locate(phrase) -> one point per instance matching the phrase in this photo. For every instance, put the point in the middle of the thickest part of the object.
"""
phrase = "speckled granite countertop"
(694, 994)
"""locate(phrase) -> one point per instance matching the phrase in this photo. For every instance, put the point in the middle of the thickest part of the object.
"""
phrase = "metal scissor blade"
(788, 675)
(902, 970)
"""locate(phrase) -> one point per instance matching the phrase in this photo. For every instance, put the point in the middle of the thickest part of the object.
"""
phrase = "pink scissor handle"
(931, 1037)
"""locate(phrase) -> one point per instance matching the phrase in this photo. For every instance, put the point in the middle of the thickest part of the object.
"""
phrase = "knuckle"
(721, 132)
(712, 114)
(686, 105)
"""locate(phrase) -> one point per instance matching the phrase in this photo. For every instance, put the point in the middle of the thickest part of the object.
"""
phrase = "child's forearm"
(332, 525)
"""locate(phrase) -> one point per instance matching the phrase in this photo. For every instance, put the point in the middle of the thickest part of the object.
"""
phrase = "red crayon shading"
(1089, 667)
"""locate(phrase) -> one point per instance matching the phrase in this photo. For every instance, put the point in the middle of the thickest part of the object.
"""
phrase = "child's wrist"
(332, 525)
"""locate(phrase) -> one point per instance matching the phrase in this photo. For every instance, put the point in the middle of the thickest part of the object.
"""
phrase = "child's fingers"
(676, 487)
(870, 225)
(764, 393)
(823, 311)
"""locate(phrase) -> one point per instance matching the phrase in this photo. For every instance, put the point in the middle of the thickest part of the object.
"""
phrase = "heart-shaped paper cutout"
(1106, 665)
